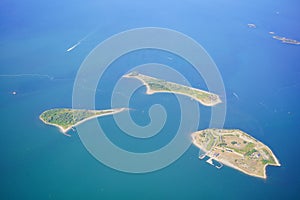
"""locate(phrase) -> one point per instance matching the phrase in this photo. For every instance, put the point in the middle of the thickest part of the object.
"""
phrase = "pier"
(211, 162)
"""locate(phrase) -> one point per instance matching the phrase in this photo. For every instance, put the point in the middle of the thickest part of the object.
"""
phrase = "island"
(66, 118)
(236, 149)
(286, 40)
(155, 85)
(251, 25)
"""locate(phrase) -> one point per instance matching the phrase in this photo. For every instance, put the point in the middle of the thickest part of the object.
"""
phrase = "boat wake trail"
(79, 42)
(28, 75)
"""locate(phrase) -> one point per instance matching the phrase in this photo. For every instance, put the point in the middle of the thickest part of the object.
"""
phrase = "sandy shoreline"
(224, 162)
(150, 91)
(65, 130)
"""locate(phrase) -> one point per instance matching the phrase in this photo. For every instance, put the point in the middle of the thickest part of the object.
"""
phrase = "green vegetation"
(263, 161)
(222, 144)
(246, 149)
(241, 151)
(249, 147)
(159, 85)
(270, 158)
(228, 146)
(66, 118)
(249, 153)
(211, 142)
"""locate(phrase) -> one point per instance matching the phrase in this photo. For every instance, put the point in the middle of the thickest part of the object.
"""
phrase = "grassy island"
(235, 149)
(155, 85)
(66, 118)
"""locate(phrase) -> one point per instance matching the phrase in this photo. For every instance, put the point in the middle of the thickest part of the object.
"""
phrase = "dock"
(210, 161)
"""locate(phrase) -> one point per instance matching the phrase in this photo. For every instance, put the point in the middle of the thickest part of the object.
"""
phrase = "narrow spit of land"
(155, 85)
(66, 118)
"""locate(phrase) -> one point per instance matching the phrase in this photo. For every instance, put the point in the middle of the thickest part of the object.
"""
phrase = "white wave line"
(20, 75)
(236, 96)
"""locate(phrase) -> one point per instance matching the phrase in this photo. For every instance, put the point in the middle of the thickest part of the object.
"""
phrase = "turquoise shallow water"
(37, 162)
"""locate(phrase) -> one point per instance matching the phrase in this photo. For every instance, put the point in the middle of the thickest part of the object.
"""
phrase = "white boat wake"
(73, 47)
(79, 42)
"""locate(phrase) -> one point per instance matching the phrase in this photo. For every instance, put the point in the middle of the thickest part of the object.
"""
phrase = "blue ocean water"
(37, 162)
